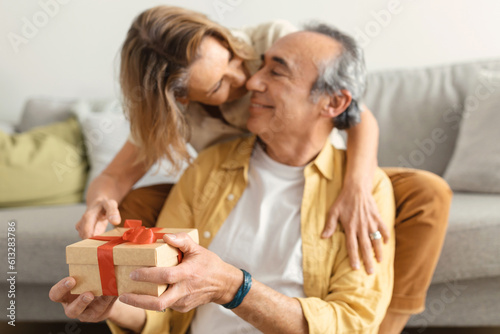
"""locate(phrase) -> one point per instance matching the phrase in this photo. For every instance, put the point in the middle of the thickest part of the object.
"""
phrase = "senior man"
(260, 204)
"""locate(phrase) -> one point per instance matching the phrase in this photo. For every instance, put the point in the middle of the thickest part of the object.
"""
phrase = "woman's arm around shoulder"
(355, 206)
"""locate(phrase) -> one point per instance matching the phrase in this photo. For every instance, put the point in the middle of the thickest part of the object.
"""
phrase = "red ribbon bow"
(137, 234)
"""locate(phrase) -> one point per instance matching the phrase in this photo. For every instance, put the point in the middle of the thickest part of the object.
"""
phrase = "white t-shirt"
(261, 235)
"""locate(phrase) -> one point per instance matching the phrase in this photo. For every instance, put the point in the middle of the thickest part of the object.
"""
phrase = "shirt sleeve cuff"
(156, 322)
(115, 329)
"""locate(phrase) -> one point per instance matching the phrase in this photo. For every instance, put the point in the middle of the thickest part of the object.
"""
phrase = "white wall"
(74, 53)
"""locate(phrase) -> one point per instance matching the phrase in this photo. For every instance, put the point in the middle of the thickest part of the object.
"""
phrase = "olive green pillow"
(44, 166)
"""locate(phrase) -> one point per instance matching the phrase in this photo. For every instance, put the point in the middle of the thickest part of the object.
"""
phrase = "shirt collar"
(324, 161)
(242, 154)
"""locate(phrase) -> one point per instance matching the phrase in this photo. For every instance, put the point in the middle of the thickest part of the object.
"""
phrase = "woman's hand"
(95, 219)
(108, 189)
(201, 278)
(357, 211)
(85, 307)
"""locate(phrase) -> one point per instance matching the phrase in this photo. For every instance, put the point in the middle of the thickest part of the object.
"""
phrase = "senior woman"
(183, 81)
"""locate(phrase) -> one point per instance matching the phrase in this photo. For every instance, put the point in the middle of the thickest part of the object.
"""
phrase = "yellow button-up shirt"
(339, 299)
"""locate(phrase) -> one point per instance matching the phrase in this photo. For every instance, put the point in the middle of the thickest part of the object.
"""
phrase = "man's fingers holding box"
(182, 241)
(158, 275)
(85, 307)
(98, 309)
(169, 275)
(61, 292)
(74, 309)
(169, 298)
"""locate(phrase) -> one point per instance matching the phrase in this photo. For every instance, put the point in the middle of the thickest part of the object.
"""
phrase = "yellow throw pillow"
(44, 166)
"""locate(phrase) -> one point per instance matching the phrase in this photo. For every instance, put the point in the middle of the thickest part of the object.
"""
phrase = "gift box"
(102, 264)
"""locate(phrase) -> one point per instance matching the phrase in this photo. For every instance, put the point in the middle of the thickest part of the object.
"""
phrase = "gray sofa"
(409, 105)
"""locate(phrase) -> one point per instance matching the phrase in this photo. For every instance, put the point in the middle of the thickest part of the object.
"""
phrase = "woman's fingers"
(95, 220)
(377, 248)
(352, 248)
(87, 223)
(366, 251)
(382, 228)
(378, 225)
(358, 213)
(112, 213)
(331, 223)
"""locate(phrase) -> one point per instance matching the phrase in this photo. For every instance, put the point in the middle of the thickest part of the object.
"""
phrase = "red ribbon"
(137, 234)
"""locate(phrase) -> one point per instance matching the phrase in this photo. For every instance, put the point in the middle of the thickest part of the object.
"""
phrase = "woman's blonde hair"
(160, 45)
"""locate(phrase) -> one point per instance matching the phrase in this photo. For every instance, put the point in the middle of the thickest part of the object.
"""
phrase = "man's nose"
(255, 83)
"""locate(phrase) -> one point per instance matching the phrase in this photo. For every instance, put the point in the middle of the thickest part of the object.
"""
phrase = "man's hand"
(201, 278)
(95, 219)
(85, 307)
(358, 213)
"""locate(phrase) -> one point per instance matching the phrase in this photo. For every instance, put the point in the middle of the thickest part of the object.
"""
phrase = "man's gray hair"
(345, 71)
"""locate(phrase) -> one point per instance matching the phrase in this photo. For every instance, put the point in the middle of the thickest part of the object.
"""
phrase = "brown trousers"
(422, 206)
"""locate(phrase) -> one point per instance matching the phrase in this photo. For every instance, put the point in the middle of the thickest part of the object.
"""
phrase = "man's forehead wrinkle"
(317, 44)
(297, 49)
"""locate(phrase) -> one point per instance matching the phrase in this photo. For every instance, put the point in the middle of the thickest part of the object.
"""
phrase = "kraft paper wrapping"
(83, 266)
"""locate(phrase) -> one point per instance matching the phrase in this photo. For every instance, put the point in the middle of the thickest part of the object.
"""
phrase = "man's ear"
(337, 104)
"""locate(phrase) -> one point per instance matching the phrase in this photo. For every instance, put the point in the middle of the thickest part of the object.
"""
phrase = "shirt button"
(207, 234)
(230, 197)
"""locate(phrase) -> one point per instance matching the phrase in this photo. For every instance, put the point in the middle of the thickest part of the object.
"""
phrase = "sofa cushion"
(7, 127)
(44, 111)
(42, 234)
(471, 248)
(475, 165)
(44, 166)
(106, 130)
(419, 112)
(468, 303)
